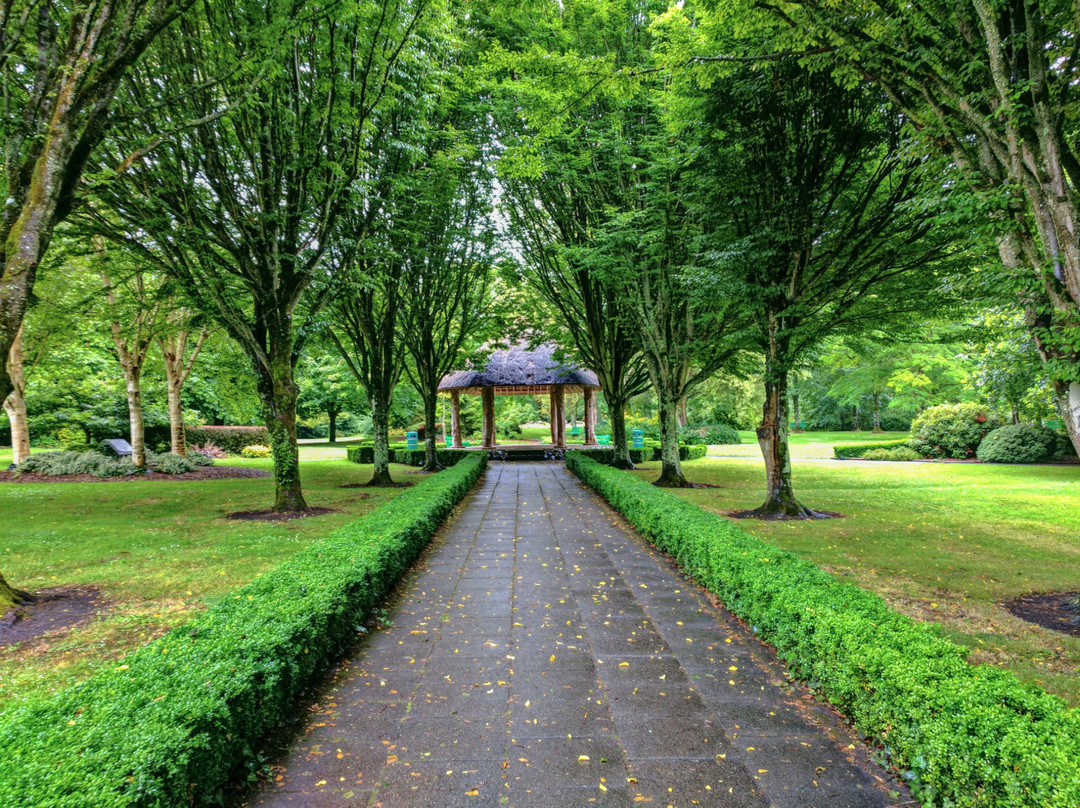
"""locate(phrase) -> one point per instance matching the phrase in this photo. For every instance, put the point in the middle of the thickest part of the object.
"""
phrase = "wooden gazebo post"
(552, 407)
(455, 418)
(590, 416)
(560, 424)
(487, 396)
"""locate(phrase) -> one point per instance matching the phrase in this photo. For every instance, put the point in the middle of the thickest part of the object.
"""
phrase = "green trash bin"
(603, 440)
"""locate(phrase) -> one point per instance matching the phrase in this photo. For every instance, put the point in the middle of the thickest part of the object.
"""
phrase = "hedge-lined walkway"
(543, 655)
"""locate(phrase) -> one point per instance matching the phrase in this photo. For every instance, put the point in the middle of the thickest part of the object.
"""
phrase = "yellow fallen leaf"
(472, 793)
(583, 759)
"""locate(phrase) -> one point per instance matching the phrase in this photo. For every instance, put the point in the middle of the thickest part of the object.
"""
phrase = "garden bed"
(204, 473)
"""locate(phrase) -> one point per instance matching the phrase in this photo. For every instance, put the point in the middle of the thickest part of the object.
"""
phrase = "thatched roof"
(520, 368)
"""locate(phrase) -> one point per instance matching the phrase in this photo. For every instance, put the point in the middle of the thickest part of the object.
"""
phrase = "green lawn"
(805, 445)
(941, 542)
(160, 551)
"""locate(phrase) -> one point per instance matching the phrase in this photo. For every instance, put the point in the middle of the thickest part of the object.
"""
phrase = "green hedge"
(230, 438)
(399, 453)
(605, 455)
(848, 451)
(168, 725)
(962, 735)
(365, 452)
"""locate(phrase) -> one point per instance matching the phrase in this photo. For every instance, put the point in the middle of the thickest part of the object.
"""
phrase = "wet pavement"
(542, 654)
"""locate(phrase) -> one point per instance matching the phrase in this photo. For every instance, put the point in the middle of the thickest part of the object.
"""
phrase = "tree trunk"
(133, 379)
(877, 413)
(590, 417)
(15, 403)
(560, 419)
(332, 413)
(278, 393)
(431, 409)
(1068, 401)
(854, 418)
(681, 414)
(772, 437)
(1015, 412)
(671, 475)
(455, 419)
(487, 396)
(380, 422)
(617, 415)
(795, 413)
(177, 438)
(10, 596)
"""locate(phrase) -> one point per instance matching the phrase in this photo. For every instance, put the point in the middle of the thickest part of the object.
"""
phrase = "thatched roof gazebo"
(520, 371)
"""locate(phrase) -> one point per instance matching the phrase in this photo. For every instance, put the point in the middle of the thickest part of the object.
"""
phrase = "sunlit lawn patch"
(940, 542)
(159, 551)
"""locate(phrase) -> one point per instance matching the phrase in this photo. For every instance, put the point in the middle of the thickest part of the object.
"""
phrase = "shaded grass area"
(940, 542)
(159, 551)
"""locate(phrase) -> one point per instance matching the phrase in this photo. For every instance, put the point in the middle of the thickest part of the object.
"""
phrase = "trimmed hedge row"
(365, 452)
(409, 457)
(852, 450)
(230, 438)
(166, 727)
(605, 455)
(962, 735)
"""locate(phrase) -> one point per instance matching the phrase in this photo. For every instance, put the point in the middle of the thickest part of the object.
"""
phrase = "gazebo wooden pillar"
(559, 419)
(455, 419)
(487, 397)
(590, 416)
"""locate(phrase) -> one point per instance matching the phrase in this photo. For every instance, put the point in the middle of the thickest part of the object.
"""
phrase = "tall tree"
(807, 193)
(133, 326)
(60, 67)
(570, 143)
(242, 209)
(993, 86)
(180, 341)
(447, 242)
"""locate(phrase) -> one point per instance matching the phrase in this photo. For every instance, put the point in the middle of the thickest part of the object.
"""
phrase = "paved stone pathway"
(542, 655)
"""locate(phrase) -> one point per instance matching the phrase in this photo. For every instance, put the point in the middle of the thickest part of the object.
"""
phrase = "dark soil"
(1049, 610)
(782, 517)
(206, 473)
(51, 610)
(278, 516)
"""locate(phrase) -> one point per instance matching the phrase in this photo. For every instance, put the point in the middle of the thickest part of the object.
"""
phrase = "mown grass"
(159, 551)
(804, 445)
(940, 542)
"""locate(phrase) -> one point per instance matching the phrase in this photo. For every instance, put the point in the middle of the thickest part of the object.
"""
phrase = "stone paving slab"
(542, 654)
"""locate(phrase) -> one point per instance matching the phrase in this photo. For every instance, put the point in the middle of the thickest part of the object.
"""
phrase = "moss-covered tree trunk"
(380, 422)
(332, 413)
(772, 436)
(671, 475)
(10, 596)
(617, 417)
(278, 393)
(431, 410)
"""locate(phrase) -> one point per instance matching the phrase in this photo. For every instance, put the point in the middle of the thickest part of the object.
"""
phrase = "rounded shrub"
(952, 430)
(170, 463)
(255, 450)
(62, 464)
(1019, 443)
(710, 435)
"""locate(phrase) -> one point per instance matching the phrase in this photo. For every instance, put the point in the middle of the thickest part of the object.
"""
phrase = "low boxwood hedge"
(365, 452)
(848, 451)
(168, 725)
(961, 735)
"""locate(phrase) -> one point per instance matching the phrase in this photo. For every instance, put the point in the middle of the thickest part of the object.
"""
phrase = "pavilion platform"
(531, 451)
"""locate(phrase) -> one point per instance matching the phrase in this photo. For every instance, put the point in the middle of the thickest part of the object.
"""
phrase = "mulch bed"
(1047, 609)
(206, 473)
(278, 516)
(52, 609)
(782, 517)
